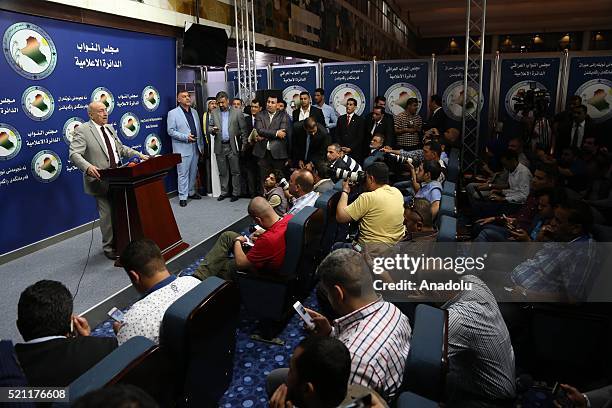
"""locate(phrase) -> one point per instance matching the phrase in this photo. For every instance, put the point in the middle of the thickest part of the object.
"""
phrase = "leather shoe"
(221, 197)
(183, 203)
(196, 196)
(234, 198)
(111, 255)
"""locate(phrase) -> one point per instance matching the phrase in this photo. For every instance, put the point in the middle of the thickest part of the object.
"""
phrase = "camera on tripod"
(533, 99)
(343, 174)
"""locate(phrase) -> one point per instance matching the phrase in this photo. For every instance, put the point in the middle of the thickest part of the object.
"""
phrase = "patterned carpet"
(253, 360)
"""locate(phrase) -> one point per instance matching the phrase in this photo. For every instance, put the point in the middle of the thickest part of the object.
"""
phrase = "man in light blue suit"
(185, 131)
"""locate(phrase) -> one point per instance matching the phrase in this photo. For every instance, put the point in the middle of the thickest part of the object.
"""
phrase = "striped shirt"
(403, 121)
(378, 338)
(351, 163)
(479, 347)
(560, 268)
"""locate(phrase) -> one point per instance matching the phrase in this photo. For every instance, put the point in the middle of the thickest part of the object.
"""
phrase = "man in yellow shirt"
(379, 210)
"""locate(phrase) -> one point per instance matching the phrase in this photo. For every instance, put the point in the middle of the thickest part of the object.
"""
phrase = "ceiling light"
(288, 58)
(538, 40)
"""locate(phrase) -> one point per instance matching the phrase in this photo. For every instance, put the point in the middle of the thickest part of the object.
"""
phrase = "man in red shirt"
(264, 250)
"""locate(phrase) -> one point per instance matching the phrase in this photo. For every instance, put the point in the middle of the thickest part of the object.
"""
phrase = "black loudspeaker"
(262, 95)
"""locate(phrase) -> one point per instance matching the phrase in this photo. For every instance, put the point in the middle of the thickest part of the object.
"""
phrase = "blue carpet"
(253, 360)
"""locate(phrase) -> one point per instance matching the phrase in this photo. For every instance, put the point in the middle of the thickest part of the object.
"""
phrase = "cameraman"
(337, 159)
(379, 210)
(274, 193)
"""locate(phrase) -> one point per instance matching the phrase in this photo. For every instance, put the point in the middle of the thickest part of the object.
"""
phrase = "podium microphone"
(132, 161)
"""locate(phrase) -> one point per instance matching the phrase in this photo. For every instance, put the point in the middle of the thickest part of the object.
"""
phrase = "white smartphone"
(116, 314)
(299, 308)
(248, 242)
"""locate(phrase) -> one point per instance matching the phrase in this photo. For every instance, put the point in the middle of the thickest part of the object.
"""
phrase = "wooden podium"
(140, 205)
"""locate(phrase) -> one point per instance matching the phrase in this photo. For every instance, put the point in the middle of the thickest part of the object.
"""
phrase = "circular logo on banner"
(130, 125)
(105, 96)
(10, 142)
(46, 166)
(515, 94)
(291, 96)
(69, 128)
(150, 98)
(452, 101)
(597, 96)
(152, 145)
(37, 103)
(29, 50)
(397, 95)
(341, 93)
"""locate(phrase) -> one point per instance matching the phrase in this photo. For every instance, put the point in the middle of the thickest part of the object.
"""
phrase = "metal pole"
(254, 52)
(237, 43)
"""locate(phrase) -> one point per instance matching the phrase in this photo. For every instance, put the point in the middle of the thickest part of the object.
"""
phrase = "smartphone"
(248, 242)
(299, 308)
(362, 402)
(116, 314)
(560, 396)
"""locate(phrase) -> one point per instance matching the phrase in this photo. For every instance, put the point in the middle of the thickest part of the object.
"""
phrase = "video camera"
(352, 176)
(534, 99)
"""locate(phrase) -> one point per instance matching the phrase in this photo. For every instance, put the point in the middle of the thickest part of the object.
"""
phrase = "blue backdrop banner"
(262, 79)
(518, 77)
(398, 81)
(345, 80)
(50, 72)
(292, 80)
(591, 78)
(449, 76)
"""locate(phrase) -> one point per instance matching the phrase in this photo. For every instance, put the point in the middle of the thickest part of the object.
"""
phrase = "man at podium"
(95, 146)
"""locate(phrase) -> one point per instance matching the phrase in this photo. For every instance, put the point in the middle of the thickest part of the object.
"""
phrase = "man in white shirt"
(329, 113)
(507, 198)
(306, 110)
(146, 268)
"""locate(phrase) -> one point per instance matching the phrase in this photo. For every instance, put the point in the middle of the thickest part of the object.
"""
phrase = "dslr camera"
(343, 174)
(398, 158)
(533, 99)
(284, 184)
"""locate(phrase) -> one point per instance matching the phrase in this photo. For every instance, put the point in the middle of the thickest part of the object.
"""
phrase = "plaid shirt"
(378, 338)
(405, 120)
(560, 267)
(307, 200)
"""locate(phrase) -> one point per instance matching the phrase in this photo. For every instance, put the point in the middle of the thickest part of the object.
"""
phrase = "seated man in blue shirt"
(562, 270)
(424, 183)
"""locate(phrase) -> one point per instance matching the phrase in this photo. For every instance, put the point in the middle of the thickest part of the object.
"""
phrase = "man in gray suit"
(229, 131)
(271, 147)
(185, 130)
(89, 151)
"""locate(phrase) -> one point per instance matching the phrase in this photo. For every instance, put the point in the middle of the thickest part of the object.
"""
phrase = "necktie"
(575, 138)
(348, 120)
(109, 148)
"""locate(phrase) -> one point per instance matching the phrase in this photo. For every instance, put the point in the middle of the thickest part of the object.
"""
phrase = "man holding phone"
(368, 323)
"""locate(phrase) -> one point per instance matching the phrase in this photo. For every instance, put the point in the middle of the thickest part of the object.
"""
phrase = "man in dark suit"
(248, 162)
(306, 110)
(271, 142)
(51, 357)
(379, 122)
(572, 134)
(311, 145)
(349, 131)
(437, 118)
(230, 134)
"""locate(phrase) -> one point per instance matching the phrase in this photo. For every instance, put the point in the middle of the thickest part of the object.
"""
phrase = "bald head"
(301, 182)
(97, 113)
(451, 134)
(258, 207)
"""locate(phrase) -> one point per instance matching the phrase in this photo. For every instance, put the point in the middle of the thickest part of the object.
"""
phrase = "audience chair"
(328, 202)
(269, 296)
(447, 206)
(338, 185)
(449, 189)
(427, 363)
(453, 166)
(447, 230)
(199, 332)
(411, 400)
(139, 362)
